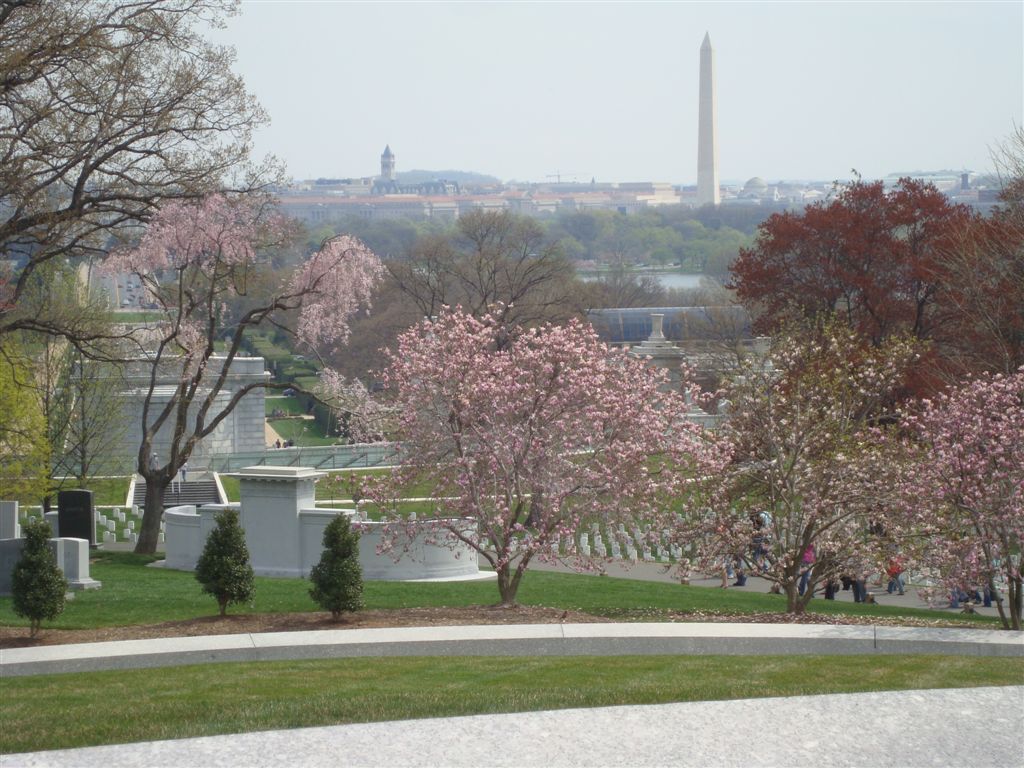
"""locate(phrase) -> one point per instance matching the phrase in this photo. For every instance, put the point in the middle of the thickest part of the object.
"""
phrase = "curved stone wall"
(186, 530)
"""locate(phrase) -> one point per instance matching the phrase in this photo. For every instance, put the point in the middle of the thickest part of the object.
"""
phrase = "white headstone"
(76, 564)
(10, 528)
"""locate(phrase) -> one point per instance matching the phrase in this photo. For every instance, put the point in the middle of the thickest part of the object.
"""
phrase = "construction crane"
(557, 176)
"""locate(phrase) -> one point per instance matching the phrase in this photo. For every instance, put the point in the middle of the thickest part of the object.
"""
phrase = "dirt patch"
(17, 637)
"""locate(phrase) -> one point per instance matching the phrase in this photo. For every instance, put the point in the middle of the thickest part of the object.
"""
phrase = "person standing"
(806, 564)
(895, 571)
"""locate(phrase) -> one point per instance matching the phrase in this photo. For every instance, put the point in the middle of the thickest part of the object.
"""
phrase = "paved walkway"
(511, 640)
(977, 727)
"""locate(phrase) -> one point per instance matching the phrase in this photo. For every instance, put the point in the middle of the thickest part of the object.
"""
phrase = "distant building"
(242, 430)
(387, 164)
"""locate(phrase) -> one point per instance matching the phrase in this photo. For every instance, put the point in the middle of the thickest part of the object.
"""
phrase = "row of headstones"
(128, 525)
(109, 526)
(633, 545)
(70, 553)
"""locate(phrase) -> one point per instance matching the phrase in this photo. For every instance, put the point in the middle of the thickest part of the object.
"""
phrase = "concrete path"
(643, 638)
(977, 727)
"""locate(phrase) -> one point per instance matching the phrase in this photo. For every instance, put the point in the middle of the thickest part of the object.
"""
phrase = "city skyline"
(609, 91)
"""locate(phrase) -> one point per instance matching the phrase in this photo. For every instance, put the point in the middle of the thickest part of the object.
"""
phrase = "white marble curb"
(596, 639)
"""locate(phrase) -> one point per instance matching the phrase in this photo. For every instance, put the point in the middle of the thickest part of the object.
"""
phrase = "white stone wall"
(242, 430)
(188, 527)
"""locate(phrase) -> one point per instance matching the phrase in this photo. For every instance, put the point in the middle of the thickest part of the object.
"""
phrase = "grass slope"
(135, 594)
(141, 705)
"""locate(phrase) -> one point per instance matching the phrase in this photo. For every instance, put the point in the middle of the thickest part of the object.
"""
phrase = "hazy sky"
(609, 90)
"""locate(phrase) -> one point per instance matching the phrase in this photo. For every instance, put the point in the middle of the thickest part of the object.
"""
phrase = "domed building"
(757, 188)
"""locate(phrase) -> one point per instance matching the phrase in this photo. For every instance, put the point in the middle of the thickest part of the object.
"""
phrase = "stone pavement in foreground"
(977, 727)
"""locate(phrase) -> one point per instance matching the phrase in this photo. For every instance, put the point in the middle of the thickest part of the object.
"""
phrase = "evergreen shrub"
(37, 585)
(338, 577)
(224, 569)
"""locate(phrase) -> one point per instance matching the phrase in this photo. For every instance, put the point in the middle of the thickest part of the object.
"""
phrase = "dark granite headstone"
(76, 516)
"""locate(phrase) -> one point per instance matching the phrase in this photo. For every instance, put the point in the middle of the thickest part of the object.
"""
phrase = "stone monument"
(661, 352)
(707, 129)
(284, 532)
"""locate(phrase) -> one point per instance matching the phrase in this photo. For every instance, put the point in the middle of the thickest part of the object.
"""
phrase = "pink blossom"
(962, 493)
(534, 432)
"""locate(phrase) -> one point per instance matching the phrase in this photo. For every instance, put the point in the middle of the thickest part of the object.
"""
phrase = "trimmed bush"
(338, 577)
(37, 584)
(223, 568)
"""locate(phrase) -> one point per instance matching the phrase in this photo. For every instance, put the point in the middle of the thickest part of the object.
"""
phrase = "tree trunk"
(1016, 599)
(508, 585)
(149, 534)
(794, 602)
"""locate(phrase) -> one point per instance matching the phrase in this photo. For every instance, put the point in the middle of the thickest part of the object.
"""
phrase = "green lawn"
(106, 491)
(142, 705)
(232, 487)
(337, 486)
(135, 594)
(291, 406)
(304, 432)
(109, 490)
(136, 316)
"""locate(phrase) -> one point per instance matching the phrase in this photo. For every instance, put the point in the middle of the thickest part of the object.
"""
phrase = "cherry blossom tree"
(523, 435)
(798, 424)
(192, 260)
(108, 109)
(963, 495)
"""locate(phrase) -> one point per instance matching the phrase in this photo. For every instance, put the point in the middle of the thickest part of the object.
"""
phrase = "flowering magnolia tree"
(524, 434)
(366, 419)
(194, 260)
(963, 497)
(798, 425)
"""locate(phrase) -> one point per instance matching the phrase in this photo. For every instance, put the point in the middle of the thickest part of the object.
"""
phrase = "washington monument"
(707, 131)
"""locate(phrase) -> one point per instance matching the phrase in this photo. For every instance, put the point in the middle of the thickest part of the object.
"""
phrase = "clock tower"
(387, 164)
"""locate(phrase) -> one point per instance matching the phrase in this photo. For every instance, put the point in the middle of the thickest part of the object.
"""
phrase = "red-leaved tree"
(524, 435)
(866, 254)
(193, 260)
(963, 495)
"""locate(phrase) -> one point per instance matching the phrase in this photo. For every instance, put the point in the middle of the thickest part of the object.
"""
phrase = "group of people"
(760, 559)
(286, 444)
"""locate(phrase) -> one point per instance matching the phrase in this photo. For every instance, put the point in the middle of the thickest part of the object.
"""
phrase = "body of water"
(666, 279)
(678, 280)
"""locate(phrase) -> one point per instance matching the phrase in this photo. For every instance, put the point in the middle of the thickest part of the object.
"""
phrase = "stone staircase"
(193, 492)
